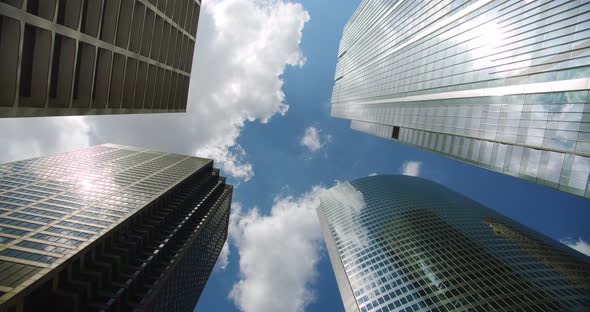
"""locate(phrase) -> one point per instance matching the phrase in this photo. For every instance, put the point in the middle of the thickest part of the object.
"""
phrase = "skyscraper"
(401, 243)
(499, 84)
(109, 227)
(89, 57)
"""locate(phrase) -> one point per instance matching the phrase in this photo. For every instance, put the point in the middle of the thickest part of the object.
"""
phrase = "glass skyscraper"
(110, 228)
(91, 57)
(499, 84)
(401, 243)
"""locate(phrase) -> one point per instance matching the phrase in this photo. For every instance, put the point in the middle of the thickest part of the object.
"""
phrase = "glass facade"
(109, 227)
(401, 243)
(498, 84)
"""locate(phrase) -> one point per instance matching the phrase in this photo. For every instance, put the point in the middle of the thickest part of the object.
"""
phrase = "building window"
(395, 132)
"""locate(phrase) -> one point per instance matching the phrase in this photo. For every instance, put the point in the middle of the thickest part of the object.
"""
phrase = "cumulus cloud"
(411, 168)
(579, 245)
(223, 258)
(47, 136)
(230, 158)
(278, 254)
(351, 203)
(313, 140)
(232, 232)
(242, 49)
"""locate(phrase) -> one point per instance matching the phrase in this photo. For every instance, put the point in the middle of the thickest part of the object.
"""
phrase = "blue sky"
(261, 80)
(285, 167)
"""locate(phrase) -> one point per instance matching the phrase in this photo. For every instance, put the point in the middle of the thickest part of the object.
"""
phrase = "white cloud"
(351, 203)
(242, 49)
(232, 231)
(411, 168)
(313, 140)
(47, 136)
(278, 254)
(223, 259)
(372, 174)
(230, 158)
(579, 245)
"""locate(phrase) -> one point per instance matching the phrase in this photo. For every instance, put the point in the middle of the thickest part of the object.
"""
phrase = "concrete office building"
(110, 228)
(401, 243)
(499, 84)
(90, 57)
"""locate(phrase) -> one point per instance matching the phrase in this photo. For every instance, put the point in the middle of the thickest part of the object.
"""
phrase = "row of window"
(31, 217)
(20, 223)
(88, 220)
(44, 212)
(81, 226)
(9, 252)
(12, 231)
(69, 232)
(57, 239)
(4, 239)
(44, 247)
(14, 200)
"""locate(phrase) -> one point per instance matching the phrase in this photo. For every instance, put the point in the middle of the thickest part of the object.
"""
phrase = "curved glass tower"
(400, 243)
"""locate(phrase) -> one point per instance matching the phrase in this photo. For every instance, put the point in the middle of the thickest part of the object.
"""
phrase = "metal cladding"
(110, 228)
(63, 57)
(499, 84)
(401, 243)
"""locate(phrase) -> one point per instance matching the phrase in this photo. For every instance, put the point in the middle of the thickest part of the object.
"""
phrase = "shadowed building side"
(574, 270)
(444, 264)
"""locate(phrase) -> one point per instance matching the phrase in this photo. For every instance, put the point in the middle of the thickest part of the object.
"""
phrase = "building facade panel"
(58, 55)
(495, 76)
(407, 244)
(109, 227)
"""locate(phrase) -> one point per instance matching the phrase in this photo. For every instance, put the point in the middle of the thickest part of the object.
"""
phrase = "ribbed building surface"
(111, 228)
(400, 243)
(87, 57)
(499, 84)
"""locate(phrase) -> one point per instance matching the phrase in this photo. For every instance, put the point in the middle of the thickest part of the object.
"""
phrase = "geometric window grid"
(95, 57)
(400, 243)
